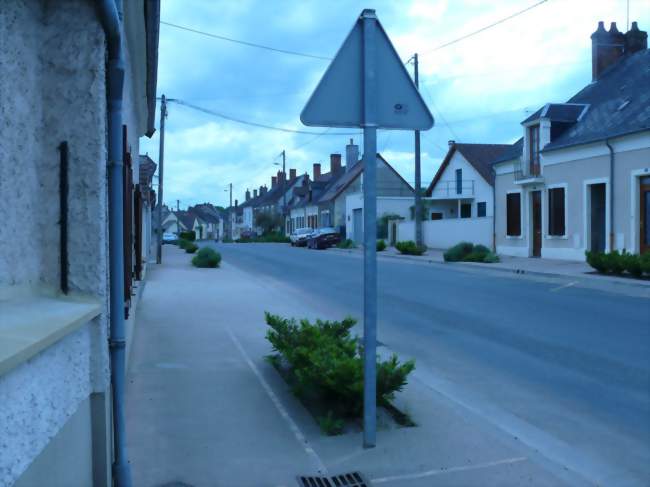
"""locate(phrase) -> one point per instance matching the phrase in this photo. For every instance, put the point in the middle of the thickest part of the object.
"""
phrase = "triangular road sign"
(338, 98)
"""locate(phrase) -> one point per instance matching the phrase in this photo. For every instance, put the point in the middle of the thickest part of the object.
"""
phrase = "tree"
(268, 221)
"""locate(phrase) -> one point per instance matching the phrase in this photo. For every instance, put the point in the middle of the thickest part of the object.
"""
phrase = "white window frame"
(521, 215)
(586, 202)
(545, 211)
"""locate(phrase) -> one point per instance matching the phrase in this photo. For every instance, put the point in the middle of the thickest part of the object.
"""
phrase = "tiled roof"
(206, 212)
(147, 169)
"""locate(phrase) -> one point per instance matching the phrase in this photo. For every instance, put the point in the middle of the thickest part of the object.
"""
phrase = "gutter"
(110, 13)
(611, 194)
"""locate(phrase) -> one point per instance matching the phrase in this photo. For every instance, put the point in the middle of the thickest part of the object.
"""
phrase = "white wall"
(397, 205)
(442, 234)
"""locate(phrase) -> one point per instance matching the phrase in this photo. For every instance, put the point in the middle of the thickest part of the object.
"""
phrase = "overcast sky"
(479, 89)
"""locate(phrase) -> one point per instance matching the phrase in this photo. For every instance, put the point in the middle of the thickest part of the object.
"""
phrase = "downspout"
(110, 12)
(611, 195)
(494, 211)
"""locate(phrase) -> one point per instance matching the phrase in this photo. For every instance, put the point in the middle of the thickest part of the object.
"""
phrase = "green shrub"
(191, 248)
(614, 262)
(381, 245)
(409, 247)
(331, 425)
(326, 362)
(207, 257)
(458, 252)
(491, 258)
(191, 236)
(644, 261)
(183, 244)
(596, 260)
(631, 263)
(346, 244)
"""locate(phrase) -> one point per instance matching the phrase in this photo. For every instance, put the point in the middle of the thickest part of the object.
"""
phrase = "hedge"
(618, 263)
(191, 236)
(468, 252)
(409, 247)
(207, 257)
(381, 245)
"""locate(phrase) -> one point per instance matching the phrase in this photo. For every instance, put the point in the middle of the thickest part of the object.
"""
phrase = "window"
(481, 209)
(533, 148)
(459, 181)
(436, 215)
(513, 214)
(556, 223)
(466, 210)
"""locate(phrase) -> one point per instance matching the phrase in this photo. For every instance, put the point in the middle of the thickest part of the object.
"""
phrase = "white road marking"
(300, 437)
(442, 471)
(573, 283)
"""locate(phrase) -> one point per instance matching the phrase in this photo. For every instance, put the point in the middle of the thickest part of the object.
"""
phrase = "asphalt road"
(564, 369)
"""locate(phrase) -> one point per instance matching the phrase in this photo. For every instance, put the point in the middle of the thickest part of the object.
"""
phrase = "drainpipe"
(611, 195)
(110, 12)
(494, 211)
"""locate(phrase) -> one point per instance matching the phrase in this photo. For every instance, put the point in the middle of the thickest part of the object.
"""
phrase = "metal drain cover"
(353, 479)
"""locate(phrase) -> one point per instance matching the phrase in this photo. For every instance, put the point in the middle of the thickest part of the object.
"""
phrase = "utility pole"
(178, 202)
(230, 212)
(161, 156)
(284, 192)
(418, 176)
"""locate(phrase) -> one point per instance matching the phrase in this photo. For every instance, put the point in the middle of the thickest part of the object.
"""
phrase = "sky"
(478, 89)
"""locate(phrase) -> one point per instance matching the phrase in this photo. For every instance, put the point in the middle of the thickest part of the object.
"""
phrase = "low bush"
(381, 245)
(458, 252)
(346, 244)
(409, 247)
(191, 248)
(325, 363)
(183, 244)
(272, 237)
(191, 236)
(644, 260)
(206, 257)
(617, 263)
(491, 258)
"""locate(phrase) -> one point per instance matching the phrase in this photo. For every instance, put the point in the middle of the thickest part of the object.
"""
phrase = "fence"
(442, 234)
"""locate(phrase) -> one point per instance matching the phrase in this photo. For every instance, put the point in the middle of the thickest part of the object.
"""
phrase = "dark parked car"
(323, 238)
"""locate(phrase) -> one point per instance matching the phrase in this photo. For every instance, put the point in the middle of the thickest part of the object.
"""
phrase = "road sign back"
(338, 98)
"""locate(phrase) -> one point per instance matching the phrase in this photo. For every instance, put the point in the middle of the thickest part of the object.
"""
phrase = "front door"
(536, 200)
(598, 235)
(358, 225)
(644, 220)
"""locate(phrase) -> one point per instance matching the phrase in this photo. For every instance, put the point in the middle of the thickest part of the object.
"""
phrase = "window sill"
(31, 323)
(514, 237)
(556, 237)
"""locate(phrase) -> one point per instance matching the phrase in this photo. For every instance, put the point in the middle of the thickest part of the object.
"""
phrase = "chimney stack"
(248, 194)
(451, 143)
(607, 48)
(351, 155)
(635, 40)
(236, 203)
(316, 171)
(335, 163)
(254, 193)
(281, 176)
(263, 190)
(292, 174)
(274, 181)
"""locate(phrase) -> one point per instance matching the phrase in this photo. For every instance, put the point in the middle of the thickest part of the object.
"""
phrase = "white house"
(579, 178)
(459, 203)
(78, 91)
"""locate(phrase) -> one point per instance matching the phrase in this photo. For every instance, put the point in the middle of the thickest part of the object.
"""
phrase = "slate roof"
(559, 112)
(608, 114)
(272, 196)
(186, 218)
(207, 212)
(480, 156)
(147, 169)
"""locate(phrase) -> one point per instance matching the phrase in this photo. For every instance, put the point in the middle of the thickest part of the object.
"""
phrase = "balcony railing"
(526, 169)
(453, 189)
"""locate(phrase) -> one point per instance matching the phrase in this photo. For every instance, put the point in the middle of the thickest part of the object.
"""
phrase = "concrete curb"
(424, 259)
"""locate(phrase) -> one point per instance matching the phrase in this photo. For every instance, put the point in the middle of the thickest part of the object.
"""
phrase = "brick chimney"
(281, 177)
(607, 48)
(635, 40)
(254, 193)
(236, 203)
(263, 190)
(274, 181)
(335, 163)
(292, 174)
(248, 194)
(316, 171)
(351, 155)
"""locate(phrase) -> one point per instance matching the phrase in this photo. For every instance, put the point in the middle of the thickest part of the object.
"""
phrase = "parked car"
(323, 238)
(169, 237)
(300, 236)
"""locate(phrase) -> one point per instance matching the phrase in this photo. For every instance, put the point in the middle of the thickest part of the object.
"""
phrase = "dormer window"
(533, 148)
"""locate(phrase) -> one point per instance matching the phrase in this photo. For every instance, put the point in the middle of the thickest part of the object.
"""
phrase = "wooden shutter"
(556, 223)
(513, 214)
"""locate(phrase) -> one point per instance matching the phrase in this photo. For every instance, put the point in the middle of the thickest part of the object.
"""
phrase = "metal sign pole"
(370, 231)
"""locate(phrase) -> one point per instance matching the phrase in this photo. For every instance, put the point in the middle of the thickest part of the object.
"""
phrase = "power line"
(482, 29)
(439, 112)
(245, 43)
(252, 124)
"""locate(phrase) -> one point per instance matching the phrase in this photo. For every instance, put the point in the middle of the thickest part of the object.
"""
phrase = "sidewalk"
(205, 409)
(518, 265)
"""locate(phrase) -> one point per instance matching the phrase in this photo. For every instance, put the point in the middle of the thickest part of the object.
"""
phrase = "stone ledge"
(31, 323)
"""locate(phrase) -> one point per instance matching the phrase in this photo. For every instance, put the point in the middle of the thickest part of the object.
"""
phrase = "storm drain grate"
(353, 479)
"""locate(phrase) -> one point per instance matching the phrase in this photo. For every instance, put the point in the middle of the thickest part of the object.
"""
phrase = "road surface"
(564, 368)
